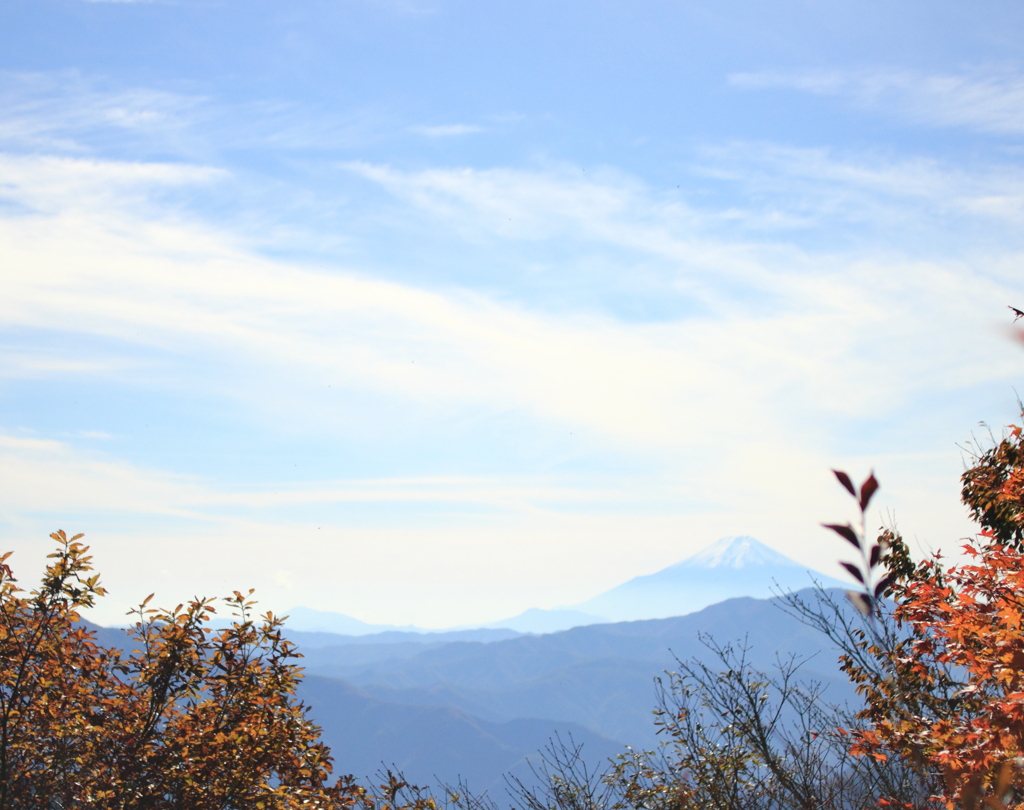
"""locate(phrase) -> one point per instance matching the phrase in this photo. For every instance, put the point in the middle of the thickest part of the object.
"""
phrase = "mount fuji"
(728, 568)
(731, 567)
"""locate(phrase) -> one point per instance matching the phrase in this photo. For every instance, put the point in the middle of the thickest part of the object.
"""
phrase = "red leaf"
(867, 489)
(844, 479)
(846, 532)
(854, 571)
(862, 602)
(882, 586)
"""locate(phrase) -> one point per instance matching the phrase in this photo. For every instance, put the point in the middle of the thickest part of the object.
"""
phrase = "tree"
(188, 718)
(949, 694)
(743, 739)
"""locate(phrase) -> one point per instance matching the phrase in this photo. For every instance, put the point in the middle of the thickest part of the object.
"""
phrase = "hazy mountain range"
(476, 703)
(434, 708)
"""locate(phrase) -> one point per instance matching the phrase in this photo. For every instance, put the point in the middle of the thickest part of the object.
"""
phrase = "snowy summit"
(735, 552)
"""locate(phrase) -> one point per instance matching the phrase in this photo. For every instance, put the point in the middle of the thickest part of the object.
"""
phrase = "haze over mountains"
(442, 711)
(729, 568)
(479, 703)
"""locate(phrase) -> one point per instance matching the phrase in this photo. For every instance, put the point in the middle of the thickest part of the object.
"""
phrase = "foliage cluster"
(949, 693)
(189, 718)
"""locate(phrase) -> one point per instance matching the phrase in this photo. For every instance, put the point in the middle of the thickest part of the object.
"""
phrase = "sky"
(432, 311)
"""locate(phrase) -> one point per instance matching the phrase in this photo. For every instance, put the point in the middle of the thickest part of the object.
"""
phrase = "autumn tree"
(184, 717)
(949, 694)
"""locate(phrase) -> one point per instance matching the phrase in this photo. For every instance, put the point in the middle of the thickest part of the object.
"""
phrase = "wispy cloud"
(23, 364)
(94, 434)
(602, 206)
(177, 288)
(190, 291)
(446, 130)
(163, 523)
(774, 192)
(982, 99)
(48, 184)
(34, 470)
(805, 187)
(55, 110)
(75, 113)
(84, 480)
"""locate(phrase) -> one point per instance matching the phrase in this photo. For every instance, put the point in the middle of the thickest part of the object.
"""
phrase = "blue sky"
(431, 312)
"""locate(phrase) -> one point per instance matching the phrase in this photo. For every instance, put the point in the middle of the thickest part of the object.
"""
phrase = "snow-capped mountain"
(733, 566)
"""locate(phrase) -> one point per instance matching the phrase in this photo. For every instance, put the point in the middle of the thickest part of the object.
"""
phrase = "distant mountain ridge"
(325, 621)
(729, 568)
(538, 620)
(599, 678)
(318, 628)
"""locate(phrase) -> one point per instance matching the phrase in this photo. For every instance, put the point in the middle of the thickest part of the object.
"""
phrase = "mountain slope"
(432, 744)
